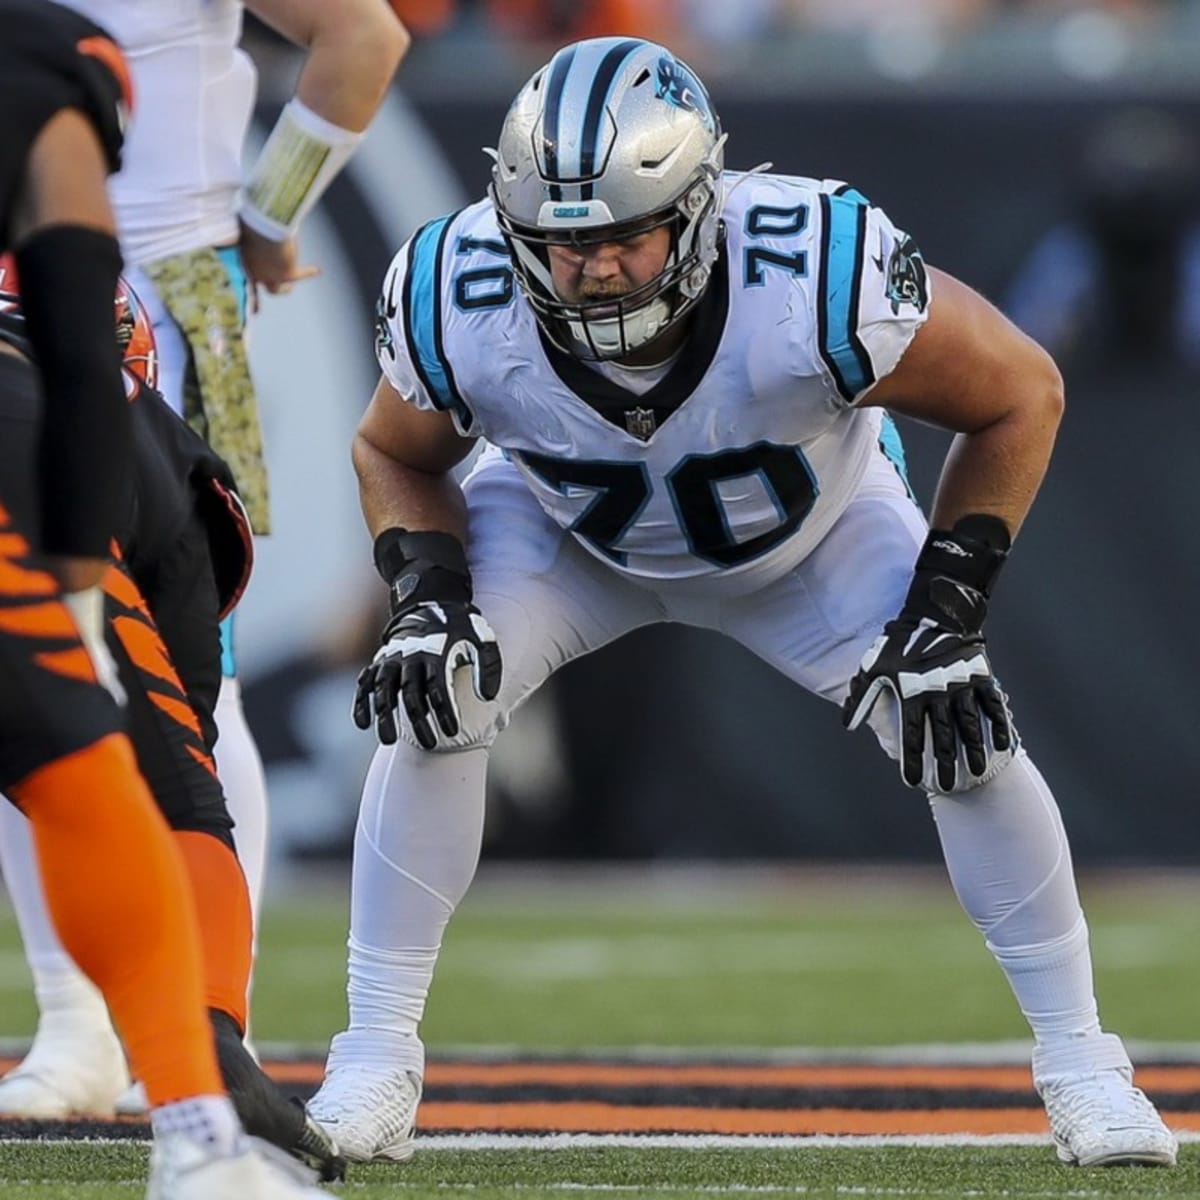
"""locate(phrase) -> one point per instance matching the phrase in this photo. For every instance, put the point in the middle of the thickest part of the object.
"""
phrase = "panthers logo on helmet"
(906, 282)
(678, 86)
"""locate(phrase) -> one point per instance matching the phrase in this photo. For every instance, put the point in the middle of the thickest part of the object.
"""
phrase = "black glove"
(933, 660)
(433, 629)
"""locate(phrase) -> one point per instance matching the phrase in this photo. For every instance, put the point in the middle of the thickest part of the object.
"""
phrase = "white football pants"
(549, 601)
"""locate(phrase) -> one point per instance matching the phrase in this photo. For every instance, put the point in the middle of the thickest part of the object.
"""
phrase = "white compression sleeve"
(1010, 864)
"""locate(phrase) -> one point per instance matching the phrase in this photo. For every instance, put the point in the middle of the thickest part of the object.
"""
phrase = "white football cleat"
(66, 1072)
(1098, 1118)
(369, 1111)
(182, 1169)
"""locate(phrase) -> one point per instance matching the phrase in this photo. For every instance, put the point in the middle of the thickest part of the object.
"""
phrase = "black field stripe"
(868, 1099)
(551, 133)
(610, 64)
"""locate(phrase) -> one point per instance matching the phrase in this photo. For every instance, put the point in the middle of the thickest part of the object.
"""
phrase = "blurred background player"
(198, 244)
(183, 556)
(115, 882)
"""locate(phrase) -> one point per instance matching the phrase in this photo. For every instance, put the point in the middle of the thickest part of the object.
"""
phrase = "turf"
(106, 1173)
(800, 961)
(619, 961)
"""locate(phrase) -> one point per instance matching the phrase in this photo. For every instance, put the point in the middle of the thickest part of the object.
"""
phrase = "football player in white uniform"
(197, 242)
(683, 375)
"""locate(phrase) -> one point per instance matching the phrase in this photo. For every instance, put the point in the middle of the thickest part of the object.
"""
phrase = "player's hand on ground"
(943, 689)
(272, 265)
(422, 649)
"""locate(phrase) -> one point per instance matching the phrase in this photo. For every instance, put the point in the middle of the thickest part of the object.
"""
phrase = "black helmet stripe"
(550, 123)
(610, 64)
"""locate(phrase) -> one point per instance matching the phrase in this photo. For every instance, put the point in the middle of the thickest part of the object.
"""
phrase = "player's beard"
(592, 292)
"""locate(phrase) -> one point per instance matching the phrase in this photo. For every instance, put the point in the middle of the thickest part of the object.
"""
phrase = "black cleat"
(264, 1110)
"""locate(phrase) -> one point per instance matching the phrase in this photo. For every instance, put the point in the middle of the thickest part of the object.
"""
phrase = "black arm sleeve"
(68, 281)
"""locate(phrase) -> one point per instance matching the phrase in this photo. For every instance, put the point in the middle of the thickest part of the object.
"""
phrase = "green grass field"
(616, 960)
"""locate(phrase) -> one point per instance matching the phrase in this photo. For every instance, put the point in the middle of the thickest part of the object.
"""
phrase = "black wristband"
(956, 571)
(422, 565)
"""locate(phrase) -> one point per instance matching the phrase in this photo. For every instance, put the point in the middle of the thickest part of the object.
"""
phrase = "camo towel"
(205, 293)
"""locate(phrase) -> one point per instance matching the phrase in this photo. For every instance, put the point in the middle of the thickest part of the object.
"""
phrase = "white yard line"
(950, 1054)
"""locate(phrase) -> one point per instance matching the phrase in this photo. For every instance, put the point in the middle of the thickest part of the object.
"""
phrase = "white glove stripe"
(406, 644)
(940, 679)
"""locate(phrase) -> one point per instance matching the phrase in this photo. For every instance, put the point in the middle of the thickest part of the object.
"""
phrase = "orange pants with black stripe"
(115, 880)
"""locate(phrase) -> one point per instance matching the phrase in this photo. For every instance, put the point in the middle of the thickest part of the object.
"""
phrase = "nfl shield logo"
(641, 423)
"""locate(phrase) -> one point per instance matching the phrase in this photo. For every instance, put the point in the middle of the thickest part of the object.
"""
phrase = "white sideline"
(950, 1054)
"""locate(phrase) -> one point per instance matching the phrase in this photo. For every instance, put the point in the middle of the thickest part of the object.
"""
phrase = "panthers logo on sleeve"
(906, 281)
(385, 312)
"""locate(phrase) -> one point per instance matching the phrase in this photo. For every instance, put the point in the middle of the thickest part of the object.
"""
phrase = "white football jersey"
(194, 90)
(740, 459)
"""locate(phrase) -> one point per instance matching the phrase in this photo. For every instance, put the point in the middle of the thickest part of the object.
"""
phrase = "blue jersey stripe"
(842, 246)
(422, 303)
(892, 446)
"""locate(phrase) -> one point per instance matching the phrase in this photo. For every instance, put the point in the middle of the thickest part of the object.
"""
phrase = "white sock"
(415, 851)
(1010, 864)
(210, 1121)
(67, 1000)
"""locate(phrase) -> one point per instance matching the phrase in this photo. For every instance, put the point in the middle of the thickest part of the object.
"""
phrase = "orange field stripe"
(1158, 1079)
(611, 1118)
(729, 1075)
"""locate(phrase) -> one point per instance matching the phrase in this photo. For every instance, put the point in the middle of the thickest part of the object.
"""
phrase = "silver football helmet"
(613, 137)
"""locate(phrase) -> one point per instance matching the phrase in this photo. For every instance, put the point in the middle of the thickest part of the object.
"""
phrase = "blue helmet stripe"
(593, 116)
(422, 303)
(844, 220)
(551, 133)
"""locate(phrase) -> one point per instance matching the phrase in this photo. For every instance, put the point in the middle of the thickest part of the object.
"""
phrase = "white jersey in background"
(738, 461)
(182, 163)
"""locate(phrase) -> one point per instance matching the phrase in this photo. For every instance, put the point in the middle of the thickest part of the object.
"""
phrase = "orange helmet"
(135, 334)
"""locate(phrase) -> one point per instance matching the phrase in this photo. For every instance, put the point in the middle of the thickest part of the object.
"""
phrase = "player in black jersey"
(115, 883)
(182, 556)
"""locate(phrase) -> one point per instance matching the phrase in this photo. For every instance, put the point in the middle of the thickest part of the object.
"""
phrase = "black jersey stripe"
(593, 116)
(551, 119)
